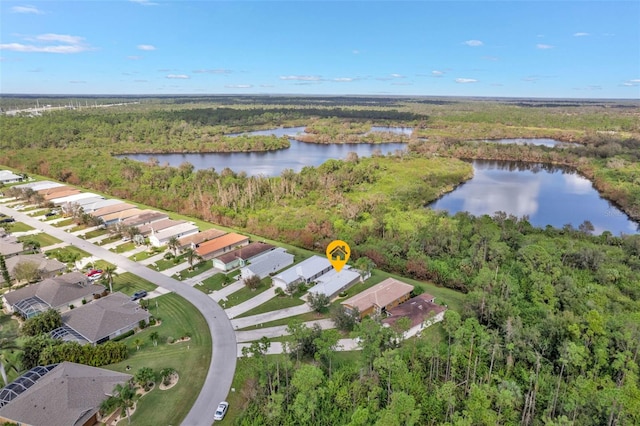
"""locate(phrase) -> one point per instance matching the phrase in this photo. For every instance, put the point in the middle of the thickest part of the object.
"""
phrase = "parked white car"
(221, 410)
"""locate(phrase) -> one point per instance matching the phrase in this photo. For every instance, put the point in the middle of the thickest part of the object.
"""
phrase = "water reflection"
(550, 143)
(549, 195)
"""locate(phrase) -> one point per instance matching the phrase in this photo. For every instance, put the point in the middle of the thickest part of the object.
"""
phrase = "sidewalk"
(251, 303)
(226, 291)
(201, 277)
(277, 347)
(270, 316)
(277, 331)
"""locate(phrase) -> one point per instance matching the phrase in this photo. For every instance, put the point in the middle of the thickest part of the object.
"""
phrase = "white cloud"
(70, 44)
(238, 86)
(343, 79)
(146, 47)
(580, 34)
(466, 80)
(144, 2)
(300, 77)
(543, 46)
(394, 75)
(26, 9)
(473, 43)
(134, 58)
(178, 76)
(635, 80)
(437, 73)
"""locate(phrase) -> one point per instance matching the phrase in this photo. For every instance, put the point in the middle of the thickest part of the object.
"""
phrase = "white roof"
(8, 175)
(72, 198)
(332, 282)
(85, 201)
(37, 186)
(88, 208)
(305, 269)
(180, 229)
(263, 265)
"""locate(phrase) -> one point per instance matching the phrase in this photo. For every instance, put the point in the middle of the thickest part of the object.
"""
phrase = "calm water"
(548, 195)
(272, 163)
(279, 132)
(551, 143)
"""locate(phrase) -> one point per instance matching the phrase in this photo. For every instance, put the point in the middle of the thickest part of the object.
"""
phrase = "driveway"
(223, 361)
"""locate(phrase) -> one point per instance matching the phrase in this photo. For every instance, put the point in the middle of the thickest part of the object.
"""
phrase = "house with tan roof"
(46, 267)
(380, 298)
(58, 395)
(194, 240)
(59, 293)
(145, 217)
(61, 194)
(212, 248)
(101, 320)
(239, 257)
(159, 225)
(113, 208)
(421, 310)
(117, 217)
(161, 238)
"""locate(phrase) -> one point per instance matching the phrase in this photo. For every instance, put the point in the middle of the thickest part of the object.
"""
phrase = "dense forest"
(550, 329)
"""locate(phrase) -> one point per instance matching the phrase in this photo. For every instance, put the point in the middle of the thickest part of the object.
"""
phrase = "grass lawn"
(44, 239)
(190, 359)
(163, 264)
(123, 248)
(95, 233)
(111, 239)
(278, 302)
(198, 268)
(20, 227)
(142, 255)
(67, 254)
(214, 283)
(129, 283)
(79, 228)
(309, 316)
(245, 294)
(62, 223)
(40, 212)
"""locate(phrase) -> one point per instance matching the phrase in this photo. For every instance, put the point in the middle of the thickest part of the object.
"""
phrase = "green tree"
(6, 345)
(253, 282)
(42, 323)
(137, 342)
(145, 376)
(108, 275)
(166, 374)
(343, 319)
(173, 244)
(27, 271)
(319, 302)
(326, 345)
(5, 272)
(192, 257)
(125, 396)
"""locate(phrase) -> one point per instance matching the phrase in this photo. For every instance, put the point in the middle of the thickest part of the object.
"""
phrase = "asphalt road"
(223, 361)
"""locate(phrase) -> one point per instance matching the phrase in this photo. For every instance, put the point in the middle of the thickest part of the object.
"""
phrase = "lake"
(550, 143)
(549, 195)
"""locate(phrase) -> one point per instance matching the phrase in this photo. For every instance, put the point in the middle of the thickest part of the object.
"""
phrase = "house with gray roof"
(333, 282)
(101, 320)
(9, 245)
(39, 185)
(7, 176)
(304, 272)
(47, 268)
(158, 226)
(160, 238)
(267, 263)
(58, 395)
(57, 293)
(240, 256)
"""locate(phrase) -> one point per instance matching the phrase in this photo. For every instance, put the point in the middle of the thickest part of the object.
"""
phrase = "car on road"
(139, 295)
(94, 272)
(7, 220)
(221, 410)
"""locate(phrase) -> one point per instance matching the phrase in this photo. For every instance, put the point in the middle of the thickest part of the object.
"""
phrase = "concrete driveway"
(223, 361)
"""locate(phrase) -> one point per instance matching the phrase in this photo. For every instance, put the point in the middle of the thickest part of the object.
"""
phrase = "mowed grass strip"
(129, 283)
(20, 227)
(44, 239)
(275, 304)
(190, 359)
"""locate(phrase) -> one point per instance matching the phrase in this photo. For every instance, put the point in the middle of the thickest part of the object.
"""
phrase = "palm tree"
(124, 396)
(166, 373)
(154, 337)
(138, 343)
(192, 257)
(173, 245)
(6, 345)
(364, 265)
(108, 275)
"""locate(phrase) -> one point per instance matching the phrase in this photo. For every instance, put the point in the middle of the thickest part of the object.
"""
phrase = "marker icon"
(338, 253)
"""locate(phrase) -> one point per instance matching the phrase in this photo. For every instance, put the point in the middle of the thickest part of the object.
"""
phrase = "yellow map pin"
(338, 253)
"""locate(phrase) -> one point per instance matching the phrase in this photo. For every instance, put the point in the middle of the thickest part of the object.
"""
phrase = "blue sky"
(576, 49)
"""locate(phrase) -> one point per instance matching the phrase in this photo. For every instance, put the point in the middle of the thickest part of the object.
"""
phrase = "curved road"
(223, 360)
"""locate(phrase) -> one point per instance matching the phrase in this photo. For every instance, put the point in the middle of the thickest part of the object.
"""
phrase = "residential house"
(267, 263)
(421, 310)
(7, 177)
(40, 185)
(377, 300)
(117, 217)
(212, 248)
(110, 209)
(193, 241)
(59, 293)
(58, 395)
(160, 225)
(304, 272)
(73, 198)
(90, 207)
(145, 217)
(101, 320)
(333, 282)
(161, 238)
(241, 256)
(9, 245)
(47, 268)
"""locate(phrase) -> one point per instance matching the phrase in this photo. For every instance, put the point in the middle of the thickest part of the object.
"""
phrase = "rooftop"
(61, 395)
(159, 225)
(417, 309)
(379, 295)
(121, 215)
(174, 230)
(44, 265)
(245, 253)
(263, 264)
(219, 243)
(113, 208)
(145, 216)
(305, 269)
(37, 186)
(201, 237)
(99, 319)
(61, 194)
(332, 282)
